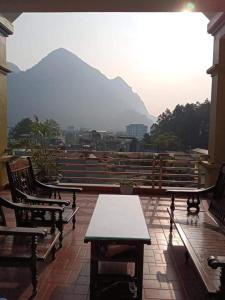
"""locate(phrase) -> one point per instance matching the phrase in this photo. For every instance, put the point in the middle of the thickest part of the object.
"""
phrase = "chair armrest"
(32, 207)
(216, 262)
(191, 191)
(57, 188)
(45, 200)
(4, 230)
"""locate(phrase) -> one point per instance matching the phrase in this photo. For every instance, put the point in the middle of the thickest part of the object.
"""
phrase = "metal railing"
(142, 169)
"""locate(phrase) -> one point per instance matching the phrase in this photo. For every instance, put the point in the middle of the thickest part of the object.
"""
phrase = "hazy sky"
(163, 56)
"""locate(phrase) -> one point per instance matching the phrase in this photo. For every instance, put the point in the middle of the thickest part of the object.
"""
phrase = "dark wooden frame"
(137, 257)
(213, 220)
(35, 236)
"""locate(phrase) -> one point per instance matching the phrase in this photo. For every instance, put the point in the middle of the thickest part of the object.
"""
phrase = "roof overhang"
(108, 5)
(11, 16)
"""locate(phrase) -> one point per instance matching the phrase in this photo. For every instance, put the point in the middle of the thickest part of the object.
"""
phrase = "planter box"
(126, 189)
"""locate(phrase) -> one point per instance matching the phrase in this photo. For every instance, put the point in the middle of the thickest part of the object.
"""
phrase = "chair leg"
(53, 252)
(186, 256)
(74, 200)
(60, 228)
(74, 207)
(33, 265)
(172, 208)
(60, 236)
(34, 280)
(222, 284)
(171, 224)
(74, 221)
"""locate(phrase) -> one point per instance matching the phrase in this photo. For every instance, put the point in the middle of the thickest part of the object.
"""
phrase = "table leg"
(172, 205)
(172, 208)
(93, 270)
(139, 269)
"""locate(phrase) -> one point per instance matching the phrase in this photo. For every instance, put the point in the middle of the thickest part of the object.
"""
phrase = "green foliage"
(36, 136)
(24, 127)
(166, 142)
(43, 157)
(187, 127)
(125, 181)
(45, 130)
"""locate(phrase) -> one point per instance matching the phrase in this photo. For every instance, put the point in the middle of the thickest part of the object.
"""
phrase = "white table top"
(118, 217)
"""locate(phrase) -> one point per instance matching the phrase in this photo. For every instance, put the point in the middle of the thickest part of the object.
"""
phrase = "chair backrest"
(21, 177)
(217, 204)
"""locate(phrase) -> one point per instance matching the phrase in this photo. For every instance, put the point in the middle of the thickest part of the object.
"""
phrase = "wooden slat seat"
(202, 237)
(203, 233)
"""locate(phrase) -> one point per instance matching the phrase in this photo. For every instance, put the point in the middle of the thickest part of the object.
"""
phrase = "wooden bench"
(25, 188)
(203, 233)
(24, 247)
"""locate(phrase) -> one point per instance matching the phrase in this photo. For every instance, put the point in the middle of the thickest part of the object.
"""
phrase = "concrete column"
(217, 113)
(5, 29)
(216, 27)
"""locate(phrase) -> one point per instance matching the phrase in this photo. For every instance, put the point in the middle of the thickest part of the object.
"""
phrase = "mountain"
(63, 87)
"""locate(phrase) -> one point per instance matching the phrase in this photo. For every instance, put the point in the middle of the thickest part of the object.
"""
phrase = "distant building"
(70, 129)
(136, 130)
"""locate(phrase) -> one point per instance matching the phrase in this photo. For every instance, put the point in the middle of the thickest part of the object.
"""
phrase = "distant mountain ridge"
(63, 87)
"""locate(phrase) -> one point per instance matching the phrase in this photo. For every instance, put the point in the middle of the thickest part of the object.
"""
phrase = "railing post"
(153, 172)
(199, 174)
(160, 172)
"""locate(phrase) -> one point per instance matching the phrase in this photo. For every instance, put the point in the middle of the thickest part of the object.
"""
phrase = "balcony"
(144, 170)
(105, 171)
(166, 276)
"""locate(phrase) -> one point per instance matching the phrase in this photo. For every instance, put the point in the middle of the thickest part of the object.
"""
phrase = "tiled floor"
(166, 276)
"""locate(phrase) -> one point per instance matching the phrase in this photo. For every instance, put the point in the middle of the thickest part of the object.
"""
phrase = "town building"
(136, 130)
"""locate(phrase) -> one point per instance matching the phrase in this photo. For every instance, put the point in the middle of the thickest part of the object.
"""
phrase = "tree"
(24, 127)
(166, 142)
(45, 130)
(188, 123)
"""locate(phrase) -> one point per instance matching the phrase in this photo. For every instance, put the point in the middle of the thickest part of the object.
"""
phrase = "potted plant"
(127, 186)
(44, 158)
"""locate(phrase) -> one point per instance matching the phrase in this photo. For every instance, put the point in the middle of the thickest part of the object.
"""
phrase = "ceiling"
(109, 5)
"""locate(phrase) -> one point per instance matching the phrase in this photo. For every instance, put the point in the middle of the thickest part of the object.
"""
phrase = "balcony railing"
(159, 170)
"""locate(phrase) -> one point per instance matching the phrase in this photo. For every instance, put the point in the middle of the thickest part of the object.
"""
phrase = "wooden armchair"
(23, 246)
(25, 188)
